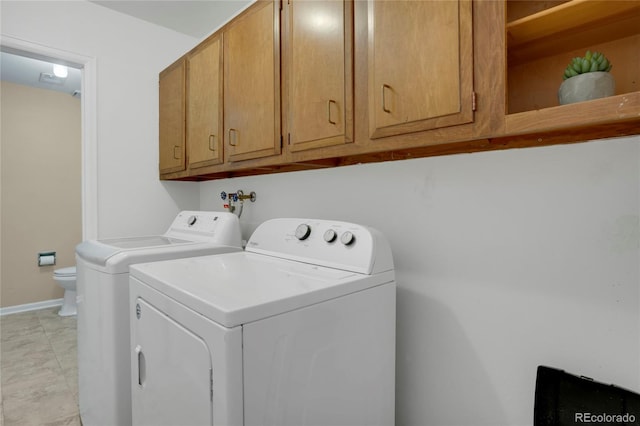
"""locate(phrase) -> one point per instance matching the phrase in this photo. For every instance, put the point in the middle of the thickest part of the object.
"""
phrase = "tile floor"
(38, 369)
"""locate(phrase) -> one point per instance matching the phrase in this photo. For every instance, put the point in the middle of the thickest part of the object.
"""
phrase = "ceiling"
(194, 18)
(37, 73)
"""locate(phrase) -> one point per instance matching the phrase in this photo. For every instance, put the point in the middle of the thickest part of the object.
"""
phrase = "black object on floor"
(563, 399)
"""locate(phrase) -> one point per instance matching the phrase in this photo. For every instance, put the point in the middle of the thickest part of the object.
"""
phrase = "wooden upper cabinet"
(171, 115)
(420, 65)
(204, 104)
(252, 83)
(319, 73)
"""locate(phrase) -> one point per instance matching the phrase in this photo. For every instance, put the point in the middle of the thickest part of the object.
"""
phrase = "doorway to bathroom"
(48, 186)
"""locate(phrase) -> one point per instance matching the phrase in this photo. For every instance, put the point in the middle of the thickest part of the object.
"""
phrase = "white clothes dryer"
(104, 391)
(299, 329)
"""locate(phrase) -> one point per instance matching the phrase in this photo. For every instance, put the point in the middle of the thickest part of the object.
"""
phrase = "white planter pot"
(584, 87)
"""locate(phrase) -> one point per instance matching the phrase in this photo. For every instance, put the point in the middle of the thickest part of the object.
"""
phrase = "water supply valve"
(235, 197)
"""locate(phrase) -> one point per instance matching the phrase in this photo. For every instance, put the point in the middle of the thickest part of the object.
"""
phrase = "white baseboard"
(30, 306)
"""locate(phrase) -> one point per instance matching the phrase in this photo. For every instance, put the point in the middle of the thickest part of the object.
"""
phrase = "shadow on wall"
(434, 348)
(185, 194)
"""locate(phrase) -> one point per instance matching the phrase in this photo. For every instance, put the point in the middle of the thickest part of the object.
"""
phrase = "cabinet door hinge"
(211, 384)
(473, 101)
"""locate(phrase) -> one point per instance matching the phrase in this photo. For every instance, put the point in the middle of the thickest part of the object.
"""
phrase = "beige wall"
(40, 189)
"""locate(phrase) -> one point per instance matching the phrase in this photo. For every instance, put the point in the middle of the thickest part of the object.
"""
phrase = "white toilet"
(66, 278)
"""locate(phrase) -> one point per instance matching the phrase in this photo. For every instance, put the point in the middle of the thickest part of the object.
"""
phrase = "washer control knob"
(192, 220)
(347, 238)
(303, 231)
(330, 235)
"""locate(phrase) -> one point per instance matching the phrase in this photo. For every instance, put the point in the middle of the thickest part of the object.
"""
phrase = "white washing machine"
(103, 304)
(297, 330)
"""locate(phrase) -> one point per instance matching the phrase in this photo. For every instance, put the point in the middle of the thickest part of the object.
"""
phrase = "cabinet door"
(204, 104)
(172, 140)
(252, 84)
(320, 73)
(420, 65)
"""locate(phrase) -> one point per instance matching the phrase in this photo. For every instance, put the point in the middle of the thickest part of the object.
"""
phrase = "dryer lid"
(237, 288)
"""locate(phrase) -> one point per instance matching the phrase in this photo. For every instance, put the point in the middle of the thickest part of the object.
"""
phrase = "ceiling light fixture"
(60, 71)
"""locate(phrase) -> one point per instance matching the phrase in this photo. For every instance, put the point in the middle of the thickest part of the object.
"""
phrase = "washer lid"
(142, 242)
(99, 251)
(191, 233)
(237, 288)
(114, 260)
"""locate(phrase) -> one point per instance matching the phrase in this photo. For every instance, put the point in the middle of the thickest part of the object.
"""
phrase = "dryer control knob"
(347, 238)
(192, 220)
(330, 235)
(303, 231)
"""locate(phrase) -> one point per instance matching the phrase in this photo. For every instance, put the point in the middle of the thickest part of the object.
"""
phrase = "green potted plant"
(587, 78)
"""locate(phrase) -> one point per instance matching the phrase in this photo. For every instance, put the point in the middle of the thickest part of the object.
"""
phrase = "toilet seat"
(65, 272)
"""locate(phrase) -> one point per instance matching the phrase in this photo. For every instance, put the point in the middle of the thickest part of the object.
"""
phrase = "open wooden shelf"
(543, 37)
(618, 109)
(571, 25)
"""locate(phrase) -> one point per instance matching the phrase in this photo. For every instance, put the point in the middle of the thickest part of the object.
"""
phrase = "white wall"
(505, 261)
(129, 55)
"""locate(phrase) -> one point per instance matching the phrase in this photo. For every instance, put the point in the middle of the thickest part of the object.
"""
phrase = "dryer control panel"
(335, 244)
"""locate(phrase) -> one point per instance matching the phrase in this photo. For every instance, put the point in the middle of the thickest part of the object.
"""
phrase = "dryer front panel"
(172, 372)
(185, 368)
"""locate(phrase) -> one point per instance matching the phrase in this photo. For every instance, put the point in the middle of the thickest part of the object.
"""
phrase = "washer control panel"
(205, 226)
(196, 221)
(337, 244)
